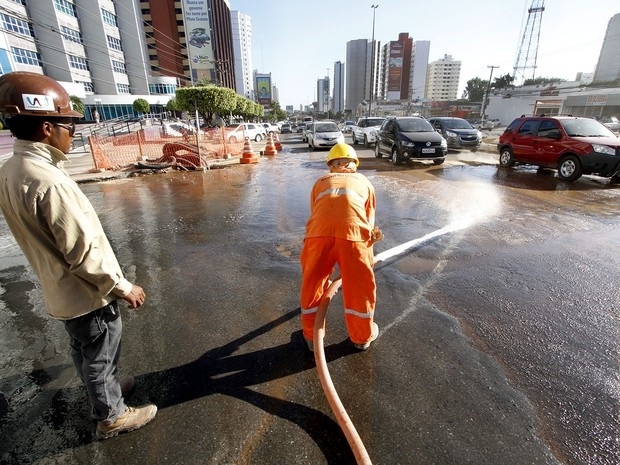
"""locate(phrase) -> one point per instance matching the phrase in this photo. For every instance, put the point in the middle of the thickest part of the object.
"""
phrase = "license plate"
(431, 150)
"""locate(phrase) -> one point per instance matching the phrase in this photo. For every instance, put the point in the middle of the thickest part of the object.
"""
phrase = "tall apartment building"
(242, 49)
(608, 66)
(322, 94)
(443, 79)
(97, 44)
(338, 90)
(404, 68)
(420, 52)
(189, 40)
(358, 74)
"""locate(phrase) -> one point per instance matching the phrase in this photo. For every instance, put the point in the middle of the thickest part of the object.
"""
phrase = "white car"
(324, 134)
(238, 132)
(366, 129)
(270, 128)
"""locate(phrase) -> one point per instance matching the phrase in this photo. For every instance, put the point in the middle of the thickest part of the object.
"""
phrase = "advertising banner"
(263, 89)
(395, 67)
(199, 40)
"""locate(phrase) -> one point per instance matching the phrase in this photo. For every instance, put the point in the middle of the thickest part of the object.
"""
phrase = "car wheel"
(395, 159)
(366, 143)
(569, 168)
(438, 161)
(377, 151)
(258, 138)
(353, 140)
(506, 157)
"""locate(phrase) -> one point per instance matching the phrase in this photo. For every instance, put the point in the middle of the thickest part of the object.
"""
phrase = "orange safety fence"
(153, 145)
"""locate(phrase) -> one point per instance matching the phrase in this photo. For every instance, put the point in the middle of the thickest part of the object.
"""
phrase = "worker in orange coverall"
(341, 230)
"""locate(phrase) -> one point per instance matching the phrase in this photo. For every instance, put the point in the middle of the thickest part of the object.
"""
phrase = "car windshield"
(585, 128)
(415, 125)
(374, 121)
(326, 127)
(457, 124)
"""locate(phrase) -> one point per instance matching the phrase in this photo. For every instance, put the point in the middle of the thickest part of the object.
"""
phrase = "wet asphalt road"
(498, 345)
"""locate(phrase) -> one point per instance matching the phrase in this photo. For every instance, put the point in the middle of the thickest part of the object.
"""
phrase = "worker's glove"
(376, 235)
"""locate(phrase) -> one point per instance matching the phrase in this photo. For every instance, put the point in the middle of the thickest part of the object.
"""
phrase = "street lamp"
(372, 59)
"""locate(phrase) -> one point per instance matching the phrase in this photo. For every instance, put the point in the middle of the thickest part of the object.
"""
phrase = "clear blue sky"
(296, 41)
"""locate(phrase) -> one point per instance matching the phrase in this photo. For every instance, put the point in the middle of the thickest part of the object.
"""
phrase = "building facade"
(322, 94)
(608, 66)
(338, 90)
(443, 79)
(358, 66)
(242, 49)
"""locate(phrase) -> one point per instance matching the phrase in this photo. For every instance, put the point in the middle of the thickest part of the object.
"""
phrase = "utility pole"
(486, 94)
(372, 60)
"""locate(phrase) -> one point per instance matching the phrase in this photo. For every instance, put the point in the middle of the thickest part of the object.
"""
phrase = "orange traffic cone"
(270, 149)
(276, 142)
(248, 155)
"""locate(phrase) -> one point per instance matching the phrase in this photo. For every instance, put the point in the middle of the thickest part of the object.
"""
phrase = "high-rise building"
(405, 63)
(608, 66)
(338, 90)
(322, 94)
(98, 45)
(358, 67)
(443, 79)
(242, 47)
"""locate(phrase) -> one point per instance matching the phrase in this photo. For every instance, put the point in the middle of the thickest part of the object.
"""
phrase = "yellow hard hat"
(342, 150)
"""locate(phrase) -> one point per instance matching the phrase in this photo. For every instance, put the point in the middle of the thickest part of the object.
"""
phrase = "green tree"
(542, 80)
(172, 105)
(207, 100)
(140, 105)
(503, 82)
(476, 88)
(276, 113)
(77, 103)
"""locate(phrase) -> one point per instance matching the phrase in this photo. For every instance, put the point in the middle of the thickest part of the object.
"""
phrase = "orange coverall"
(342, 216)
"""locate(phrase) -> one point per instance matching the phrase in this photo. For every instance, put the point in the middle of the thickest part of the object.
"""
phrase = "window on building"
(119, 67)
(123, 88)
(76, 62)
(164, 89)
(65, 7)
(114, 43)
(88, 86)
(72, 35)
(26, 57)
(21, 27)
(109, 17)
(19, 2)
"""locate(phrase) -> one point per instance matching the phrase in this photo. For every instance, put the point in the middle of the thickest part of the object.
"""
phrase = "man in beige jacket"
(61, 236)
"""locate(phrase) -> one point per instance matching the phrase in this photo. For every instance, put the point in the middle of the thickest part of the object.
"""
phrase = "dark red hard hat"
(32, 94)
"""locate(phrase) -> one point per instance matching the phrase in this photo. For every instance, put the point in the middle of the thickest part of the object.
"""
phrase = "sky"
(297, 41)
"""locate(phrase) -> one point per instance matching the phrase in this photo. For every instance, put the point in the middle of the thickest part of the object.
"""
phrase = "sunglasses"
(68, 127)
(341, 162)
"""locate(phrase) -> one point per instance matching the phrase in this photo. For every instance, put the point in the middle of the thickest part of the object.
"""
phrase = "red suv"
(572, 145)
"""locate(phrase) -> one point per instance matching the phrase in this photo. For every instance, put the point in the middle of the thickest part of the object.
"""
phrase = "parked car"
(459, 133)
(410, 138)
(270, 128)
(301, 127)
(347, 127)
(572, 145)
(611, 122)
(238, 132)
(484, 124)
(365, 130)
(286, 128)
(324, 134)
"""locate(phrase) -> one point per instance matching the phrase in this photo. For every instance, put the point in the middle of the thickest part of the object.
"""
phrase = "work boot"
(132, 419)
(128, 384)
(375, 334)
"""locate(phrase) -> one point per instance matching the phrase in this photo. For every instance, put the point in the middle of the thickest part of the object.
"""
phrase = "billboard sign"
(395, 66)
(199, 40)
(263, 89)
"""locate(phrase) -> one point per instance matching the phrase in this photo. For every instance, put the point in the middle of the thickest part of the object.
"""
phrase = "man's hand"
(136, 297)
(376, 235)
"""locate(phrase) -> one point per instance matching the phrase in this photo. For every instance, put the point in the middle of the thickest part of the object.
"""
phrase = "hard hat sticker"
(38, 102)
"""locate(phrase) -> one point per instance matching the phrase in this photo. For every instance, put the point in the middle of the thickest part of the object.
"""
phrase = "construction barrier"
(153, 145)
